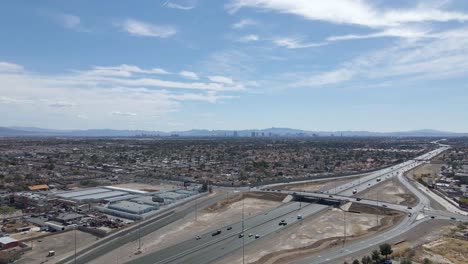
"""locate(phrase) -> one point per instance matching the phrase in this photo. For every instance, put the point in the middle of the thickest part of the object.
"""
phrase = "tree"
(376, 258)
(427, 261)
(355, 261)
(406, 261)
(386, 249)
(366, 260)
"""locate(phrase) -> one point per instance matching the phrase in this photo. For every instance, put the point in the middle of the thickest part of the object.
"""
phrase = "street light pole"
(243, 235)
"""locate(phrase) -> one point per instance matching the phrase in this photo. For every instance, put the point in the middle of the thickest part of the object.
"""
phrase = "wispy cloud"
(249, 38)
(123, 70)
(69, 21)
(363, 13)
(138, 28)
(181, 4)
(61, 104)
(189, 75)
(221, 79)
(244, 23)
(10, 67)
(118, 113)
(99, 97)
(293, 43)
(440, 55)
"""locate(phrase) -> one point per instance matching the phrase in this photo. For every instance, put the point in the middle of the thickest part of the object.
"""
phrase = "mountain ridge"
(267, 132)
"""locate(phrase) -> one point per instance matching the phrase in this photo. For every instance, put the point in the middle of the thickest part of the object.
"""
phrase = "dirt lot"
(423, 171)
(451, 247)
(390, 191)
(61, 243)
(220, 214)
(310, 236)
(316, 186)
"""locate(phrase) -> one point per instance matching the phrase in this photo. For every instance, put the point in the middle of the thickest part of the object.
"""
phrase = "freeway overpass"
(210, 248)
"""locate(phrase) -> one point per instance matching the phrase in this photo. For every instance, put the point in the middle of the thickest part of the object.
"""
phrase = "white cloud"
(364, 12)
(10, 67)
(249, 38)
(292, 43)
(181, 4)
(327, 78)
(440, 55)
(118, 113)
(88, 100)
(123, 70)
(402, 32)
(139, 28)
(69, 21)
(189, 75)
(244, 23)
(221, 79)
(61, 104)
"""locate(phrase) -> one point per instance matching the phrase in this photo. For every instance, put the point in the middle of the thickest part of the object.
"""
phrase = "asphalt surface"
(117, 240)
(210, 248)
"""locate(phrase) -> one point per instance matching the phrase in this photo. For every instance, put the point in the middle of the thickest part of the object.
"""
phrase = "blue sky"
(236, 64)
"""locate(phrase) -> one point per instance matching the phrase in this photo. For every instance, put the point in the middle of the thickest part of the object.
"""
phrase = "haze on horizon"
(193, 64)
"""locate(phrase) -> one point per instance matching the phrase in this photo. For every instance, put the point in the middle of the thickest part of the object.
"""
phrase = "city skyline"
(234, 65)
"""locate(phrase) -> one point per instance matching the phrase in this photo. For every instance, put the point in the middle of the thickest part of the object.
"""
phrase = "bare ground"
(316, 186)
(61, 243)
(220, 214)
(390, 191)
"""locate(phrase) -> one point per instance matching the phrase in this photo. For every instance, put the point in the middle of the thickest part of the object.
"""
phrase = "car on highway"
(358, 199)
(409, 207)
(250, 234)
(299, 217)
(198, 238)
(432, 217)
(229, 228)
(453, 218)
(354, 191)
(378, 179)
(216, 233)
(331, 196)
(384, 205)
(241, 235)
(257, 236)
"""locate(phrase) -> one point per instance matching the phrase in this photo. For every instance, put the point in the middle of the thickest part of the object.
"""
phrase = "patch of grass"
(6, 210)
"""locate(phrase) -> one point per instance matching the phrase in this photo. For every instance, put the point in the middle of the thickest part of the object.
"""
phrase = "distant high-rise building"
(252, 134)
(235, 134)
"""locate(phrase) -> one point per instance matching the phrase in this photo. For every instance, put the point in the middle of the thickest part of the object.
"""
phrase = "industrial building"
(8, 242)
(123, 202)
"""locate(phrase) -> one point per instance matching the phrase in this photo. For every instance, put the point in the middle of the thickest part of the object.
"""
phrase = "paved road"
(423, 212)
(210, 248)
(98, 249)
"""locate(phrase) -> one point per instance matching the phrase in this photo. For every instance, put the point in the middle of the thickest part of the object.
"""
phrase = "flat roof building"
(132, 207)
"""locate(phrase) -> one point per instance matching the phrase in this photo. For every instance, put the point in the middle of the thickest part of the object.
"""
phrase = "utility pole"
(344, 229)
(75, 242)
(139, 236)
(196, 208)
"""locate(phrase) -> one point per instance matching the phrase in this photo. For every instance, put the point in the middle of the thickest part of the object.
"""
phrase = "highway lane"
(125, 236)
(419, 216)
(211, 248)
(261, 224)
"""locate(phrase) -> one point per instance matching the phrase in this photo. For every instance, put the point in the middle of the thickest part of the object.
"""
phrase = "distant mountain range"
(269, 132)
